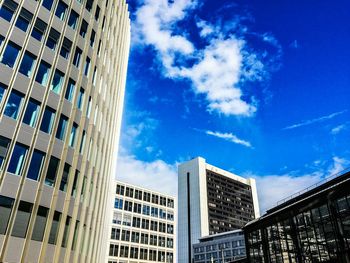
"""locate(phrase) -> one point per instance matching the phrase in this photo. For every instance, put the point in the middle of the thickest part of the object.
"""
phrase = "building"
(143, 226)
(62, 76)
(313, 226)
(218, 248)
(211, 201)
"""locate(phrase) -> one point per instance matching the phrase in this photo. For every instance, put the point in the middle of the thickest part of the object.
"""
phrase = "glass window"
(52, 39)
(88, 109)
(75, 181)
(82, 143)
(73, 19)
(47, 4)
(42, 76)
(4, 146)
(87, 66)
(92, 38)
(17, 159)
(27, 64)
(73, 135)
(80, 99)
(2, 90)
(61, 10)
(70, 90)
(39, 29)
(65, 233)
(62, 126)
(7, 9)
(24, 19)
(13, 104)
(54, 228)
(48, 119)
(65, 49)
(57, 81)
(83, 28)
(6, 205)
(97, 13)
(88, 5)
(52, 171)
(10, 54)
(77, 57)
(36, 165)
(22, 219)
(32, 112)
(64, 179)
(40, 223)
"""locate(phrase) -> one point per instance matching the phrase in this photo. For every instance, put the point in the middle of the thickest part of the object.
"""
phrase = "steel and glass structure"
(312, 227)
(142, 227)
(62, 80)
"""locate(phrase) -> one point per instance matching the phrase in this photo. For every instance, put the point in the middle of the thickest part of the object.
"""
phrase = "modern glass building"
(312, 227)
(62, 80)
(142, 227)
(211, 201)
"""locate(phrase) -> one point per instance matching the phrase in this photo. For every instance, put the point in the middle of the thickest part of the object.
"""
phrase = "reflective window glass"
(22, 219)
(40, 223)
(42, 76)
(17, 159)
(61, 10)
(47, 121)
(32, 112)
(27, 64)
(10, 54)
(70, 90)
(57, 81)
(13, 104)
(36, 164)
(62, 126)
(4, 146)
(50, 178)
(6, 205)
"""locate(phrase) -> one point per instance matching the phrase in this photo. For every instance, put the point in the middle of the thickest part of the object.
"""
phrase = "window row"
(140, 253)
(137, 194)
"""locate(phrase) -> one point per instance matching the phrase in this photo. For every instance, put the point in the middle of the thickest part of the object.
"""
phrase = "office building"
(62, 76)
(219, 248)
(211, 201)
(311, 226)
(143, 226)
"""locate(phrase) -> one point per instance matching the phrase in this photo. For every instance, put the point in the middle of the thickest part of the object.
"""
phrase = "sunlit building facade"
(143, 226)
(62, 80)
(211, 201)
(311, 227)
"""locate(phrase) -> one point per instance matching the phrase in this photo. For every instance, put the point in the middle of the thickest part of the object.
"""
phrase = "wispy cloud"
(312, 121)
(216, 69)
(294, 44)
(339, 128)
(229, 137)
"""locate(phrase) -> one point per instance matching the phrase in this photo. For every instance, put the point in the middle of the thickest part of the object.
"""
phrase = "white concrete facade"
(193, 219)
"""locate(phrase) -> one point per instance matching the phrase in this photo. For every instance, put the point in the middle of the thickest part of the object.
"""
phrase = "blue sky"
(259, 88)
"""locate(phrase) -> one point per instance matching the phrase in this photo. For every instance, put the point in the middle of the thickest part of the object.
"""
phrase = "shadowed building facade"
(62, 80)
(211, 201)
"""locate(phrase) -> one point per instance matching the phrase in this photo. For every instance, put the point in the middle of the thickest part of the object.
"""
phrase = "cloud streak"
(316, 120)
(217, 68)
(229, 137)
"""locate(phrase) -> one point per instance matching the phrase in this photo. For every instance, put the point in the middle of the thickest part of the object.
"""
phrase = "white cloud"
(155, 175)
(338, 129)
(215, 70)
(312, 121)
(229, 137)
(339, 164)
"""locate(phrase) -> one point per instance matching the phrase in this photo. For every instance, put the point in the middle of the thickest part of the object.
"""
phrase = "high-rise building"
(211, 201)
(62, 76)
(142, 227)
(310, 226)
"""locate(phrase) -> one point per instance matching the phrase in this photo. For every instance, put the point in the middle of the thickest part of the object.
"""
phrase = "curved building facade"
(62, 79)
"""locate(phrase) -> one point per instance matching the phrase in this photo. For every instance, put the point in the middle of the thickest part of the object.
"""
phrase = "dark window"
(40, 223)
(39, 29)
(42, 76)
(87, 66)
(62, 126)
(73, 134)
(47, 4)
(17, 159)
(83, 28)
(22, 219)
(66, 230)
(77, 57)
(57, 81)
(4, 146)
(32, 112)
(61, 10)
(70, 90)
(48, 119)
(74, 187)
(36, 164)
(64, 180)
(3, 87)
(24, 19)
(89, 4)
(97, 13)
(73, 19)
(10, 54)
(54, 228)
(52, 39)
(80, 98)
(52, 171)
(92, 38)
(6, 205)
(7, 9)
(66, 47)
(27, 63)
(13, 104)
